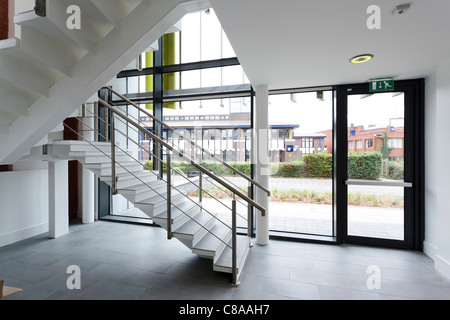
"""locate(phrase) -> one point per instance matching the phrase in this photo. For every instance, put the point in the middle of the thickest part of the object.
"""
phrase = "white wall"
(23, 205)
(23, 6)
(437, 188)
(430, 167)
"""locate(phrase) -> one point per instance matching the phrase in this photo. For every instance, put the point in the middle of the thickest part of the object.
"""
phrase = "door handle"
(403, 184)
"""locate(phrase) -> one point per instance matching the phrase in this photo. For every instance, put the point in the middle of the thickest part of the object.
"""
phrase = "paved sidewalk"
(313, 219)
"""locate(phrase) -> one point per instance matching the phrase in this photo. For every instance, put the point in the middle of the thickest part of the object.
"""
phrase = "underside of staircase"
(196, 228)
(49, 70)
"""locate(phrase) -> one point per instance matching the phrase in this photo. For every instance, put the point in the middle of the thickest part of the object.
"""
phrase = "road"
(319, 185)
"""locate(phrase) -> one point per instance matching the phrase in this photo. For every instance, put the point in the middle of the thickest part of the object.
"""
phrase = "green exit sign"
(381, 85)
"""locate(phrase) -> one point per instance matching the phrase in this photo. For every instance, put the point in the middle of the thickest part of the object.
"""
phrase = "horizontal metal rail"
(146, 184)
(181, 155)
(162, 161)
(378, 183)
(157, 158)
(189, 140)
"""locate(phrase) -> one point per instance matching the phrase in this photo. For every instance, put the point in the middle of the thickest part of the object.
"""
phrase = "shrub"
(396, 170)
(364, 165)
(294, 169)
(318, 165)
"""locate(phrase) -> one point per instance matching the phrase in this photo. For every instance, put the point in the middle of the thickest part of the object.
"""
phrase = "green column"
(149, 79)
(169, 58)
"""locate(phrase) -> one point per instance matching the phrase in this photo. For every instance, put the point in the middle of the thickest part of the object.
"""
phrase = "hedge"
(318, 165)
(364, 165)
(396, 170)
(294, 169)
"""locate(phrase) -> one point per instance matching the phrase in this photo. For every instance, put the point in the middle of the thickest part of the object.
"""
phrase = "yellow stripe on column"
(149, 78)
(169, 58)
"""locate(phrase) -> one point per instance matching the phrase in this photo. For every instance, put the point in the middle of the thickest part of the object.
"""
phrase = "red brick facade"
(371, 140)
(4, 19)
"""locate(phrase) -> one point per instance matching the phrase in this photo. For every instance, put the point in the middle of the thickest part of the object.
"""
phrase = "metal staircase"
(207, 233)
(49, 70)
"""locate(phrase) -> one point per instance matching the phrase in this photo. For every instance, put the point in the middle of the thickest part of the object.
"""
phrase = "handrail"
(40, 7)
(145, 183)
(199, 167)
(253, 182)
(153, 155)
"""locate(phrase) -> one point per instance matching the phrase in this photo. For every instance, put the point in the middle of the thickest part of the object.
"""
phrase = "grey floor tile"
(244, 294)
(123, 261)
(334, 293)
(317, 278)
(34, 274)
(266, 270)
(111, 272)
(111, 290)
(291, 290)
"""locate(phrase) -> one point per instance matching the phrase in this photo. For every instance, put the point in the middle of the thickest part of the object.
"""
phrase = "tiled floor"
(124, 261)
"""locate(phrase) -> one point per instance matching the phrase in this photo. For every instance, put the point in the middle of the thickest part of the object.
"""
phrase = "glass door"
(375, 165)
(379, 145)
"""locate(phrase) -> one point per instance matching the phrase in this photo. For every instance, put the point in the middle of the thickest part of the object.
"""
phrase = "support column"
(88, 178)
(58, 194)
(262, 169)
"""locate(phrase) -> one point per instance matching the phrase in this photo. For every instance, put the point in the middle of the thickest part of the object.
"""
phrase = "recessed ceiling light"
(361, 58)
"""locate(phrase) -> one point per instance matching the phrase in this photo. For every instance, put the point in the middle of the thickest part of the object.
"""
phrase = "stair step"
(224, 262)
(195, 228)
(160, 205)
(66, 45)
(156, 199)
(97, 157)
(211, 246)
(145, 191)
(123, 168)
(140, 187)
(125, 180)
(108, 165)
(180, 214)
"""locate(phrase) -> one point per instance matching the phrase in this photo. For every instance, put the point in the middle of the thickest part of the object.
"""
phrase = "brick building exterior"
(371, 140)
(6, 19)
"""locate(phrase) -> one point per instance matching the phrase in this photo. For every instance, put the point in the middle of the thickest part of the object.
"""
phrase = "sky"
(303, 109)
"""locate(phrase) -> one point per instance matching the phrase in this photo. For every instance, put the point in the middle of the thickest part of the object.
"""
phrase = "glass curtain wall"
(219, 125)
(300, 150)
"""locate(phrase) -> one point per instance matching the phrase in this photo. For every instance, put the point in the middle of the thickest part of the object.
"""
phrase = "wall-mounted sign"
(290, 148)
(377, 85)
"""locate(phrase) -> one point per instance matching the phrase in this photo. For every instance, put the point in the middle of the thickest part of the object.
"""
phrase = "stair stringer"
(142, 27)
(219, 253)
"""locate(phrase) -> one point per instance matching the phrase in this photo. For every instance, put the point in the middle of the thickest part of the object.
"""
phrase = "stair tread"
(177, 211)
(107, 165)
(142, 186)
(192, 226)
(225, 259)
(157, 198)
(126, 176)
(210, 241)
(9, 43)
(81, 142)
(95, 153)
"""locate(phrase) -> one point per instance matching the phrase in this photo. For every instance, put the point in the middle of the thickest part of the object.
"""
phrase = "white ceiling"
(302, 43)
